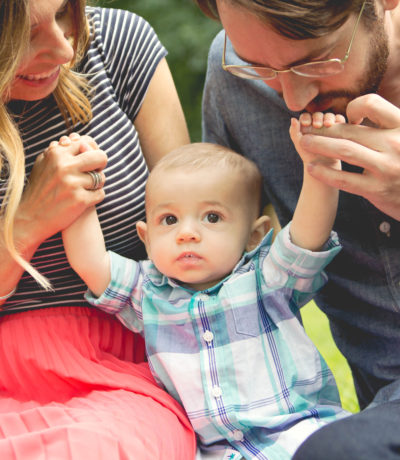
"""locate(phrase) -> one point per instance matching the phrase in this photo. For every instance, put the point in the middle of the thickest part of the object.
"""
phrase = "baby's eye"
(169, 220)
(212, 218)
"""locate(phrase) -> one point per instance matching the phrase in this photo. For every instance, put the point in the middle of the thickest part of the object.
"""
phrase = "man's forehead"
(281, 51)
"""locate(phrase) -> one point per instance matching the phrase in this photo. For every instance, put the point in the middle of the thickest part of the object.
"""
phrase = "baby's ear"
(259, 229)
(141, 228)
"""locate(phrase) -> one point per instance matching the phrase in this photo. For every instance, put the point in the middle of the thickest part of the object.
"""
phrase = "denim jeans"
(362, 297)
(371, 434)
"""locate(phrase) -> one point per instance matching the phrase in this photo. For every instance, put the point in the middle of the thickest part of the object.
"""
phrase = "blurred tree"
(187, 35)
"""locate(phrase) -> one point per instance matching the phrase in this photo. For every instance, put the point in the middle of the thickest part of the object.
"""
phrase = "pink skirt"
(70, 389)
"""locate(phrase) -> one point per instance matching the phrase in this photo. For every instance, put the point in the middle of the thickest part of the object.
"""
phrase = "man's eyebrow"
(312, 55)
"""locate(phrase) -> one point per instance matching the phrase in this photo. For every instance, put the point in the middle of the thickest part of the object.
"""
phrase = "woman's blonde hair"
(71, 96)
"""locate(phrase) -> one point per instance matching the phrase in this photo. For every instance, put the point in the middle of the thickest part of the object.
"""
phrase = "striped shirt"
(120, 62)
(235, 355)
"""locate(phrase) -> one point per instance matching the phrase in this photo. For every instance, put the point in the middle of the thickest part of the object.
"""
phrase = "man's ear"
(259, 229)
(141, 228)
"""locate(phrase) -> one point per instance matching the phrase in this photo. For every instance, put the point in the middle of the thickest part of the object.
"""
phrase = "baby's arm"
(317, 205)
(86, 251)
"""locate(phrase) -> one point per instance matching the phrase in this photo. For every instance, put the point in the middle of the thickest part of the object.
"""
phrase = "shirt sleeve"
(122, 296)
(131, 52)
(297, 270)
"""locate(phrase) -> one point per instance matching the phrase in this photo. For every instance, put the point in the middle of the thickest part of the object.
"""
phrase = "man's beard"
(369, 83)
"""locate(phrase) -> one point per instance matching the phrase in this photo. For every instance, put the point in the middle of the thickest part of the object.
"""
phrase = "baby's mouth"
(188, 256)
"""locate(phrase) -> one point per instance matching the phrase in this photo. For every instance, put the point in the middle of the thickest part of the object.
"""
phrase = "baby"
(218, 302)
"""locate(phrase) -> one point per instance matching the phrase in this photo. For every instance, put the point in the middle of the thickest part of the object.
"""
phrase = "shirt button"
(384, 227)
(208, 336)
(238, 435)
(203, 297)
(216, 391)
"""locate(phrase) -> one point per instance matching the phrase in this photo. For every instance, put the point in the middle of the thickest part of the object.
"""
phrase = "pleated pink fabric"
(70, 390)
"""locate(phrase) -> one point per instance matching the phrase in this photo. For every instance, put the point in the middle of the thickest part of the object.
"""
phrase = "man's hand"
(374, 149)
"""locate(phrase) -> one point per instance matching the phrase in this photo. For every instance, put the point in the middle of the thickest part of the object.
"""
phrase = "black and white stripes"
(120, 62)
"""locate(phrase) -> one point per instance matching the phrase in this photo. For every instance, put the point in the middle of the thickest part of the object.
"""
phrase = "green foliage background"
(187, 35)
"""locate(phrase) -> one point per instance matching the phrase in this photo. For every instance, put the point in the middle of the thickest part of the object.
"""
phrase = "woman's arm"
(10, 270)
(160, 122)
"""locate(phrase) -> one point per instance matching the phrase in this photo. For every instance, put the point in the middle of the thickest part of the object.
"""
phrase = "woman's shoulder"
(99, 13)
(113, 21)
(119, 34)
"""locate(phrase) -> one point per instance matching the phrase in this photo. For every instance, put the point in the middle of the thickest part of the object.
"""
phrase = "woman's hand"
(374, 149)
(59, 187)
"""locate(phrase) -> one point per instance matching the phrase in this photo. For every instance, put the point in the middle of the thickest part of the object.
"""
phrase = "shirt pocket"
(242, 294)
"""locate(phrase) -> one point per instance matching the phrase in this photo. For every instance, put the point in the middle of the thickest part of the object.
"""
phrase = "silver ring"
(96, 178)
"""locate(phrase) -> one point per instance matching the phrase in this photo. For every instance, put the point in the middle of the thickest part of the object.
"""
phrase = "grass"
(317, 327)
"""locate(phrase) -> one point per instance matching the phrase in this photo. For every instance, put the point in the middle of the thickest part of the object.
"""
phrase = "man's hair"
(298, 19)
(202, 156)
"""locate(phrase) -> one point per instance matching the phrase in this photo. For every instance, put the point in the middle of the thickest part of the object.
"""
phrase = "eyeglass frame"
(226, 67)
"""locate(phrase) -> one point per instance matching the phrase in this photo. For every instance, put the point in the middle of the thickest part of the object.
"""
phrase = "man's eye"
(169, 220)
(212, 217)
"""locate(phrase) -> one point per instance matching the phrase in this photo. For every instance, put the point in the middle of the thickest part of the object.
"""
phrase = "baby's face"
(198, 225)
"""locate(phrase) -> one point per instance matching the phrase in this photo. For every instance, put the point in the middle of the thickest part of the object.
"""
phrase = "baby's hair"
(202, 155)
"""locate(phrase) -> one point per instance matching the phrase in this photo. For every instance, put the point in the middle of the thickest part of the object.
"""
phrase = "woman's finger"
(95, 179)
(92, 160)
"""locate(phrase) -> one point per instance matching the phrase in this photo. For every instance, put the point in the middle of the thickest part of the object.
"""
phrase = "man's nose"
(297, 91)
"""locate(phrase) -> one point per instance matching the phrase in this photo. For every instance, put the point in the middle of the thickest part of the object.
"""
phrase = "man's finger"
(379, 111)
(378, 139)
(342, 149)
(355, 183)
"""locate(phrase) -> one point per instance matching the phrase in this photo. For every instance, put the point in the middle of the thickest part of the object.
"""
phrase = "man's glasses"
(315, 69)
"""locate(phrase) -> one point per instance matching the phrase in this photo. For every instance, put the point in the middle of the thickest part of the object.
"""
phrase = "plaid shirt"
(235, 355)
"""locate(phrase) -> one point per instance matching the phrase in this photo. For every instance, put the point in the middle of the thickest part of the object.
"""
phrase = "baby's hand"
(85, 142)
(319, 119)
(315, 120)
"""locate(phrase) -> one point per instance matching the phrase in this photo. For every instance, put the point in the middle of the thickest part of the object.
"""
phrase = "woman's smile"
(39, 79)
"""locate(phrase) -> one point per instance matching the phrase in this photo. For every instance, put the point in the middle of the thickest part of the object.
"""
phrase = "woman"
(72, 384)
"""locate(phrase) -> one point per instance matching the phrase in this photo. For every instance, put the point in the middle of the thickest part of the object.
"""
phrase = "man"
(277, 59)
